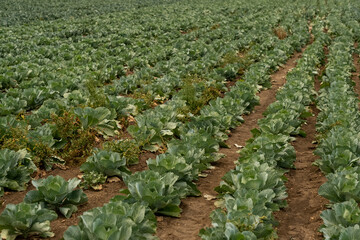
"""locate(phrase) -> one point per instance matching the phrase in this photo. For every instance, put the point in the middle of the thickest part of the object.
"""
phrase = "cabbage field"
(179, 119)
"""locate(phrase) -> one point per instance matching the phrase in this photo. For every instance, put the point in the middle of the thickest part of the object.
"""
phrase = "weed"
(78, 143)
(215, 26)
(79, 148)
(93, 180)
(196, 94)
(147, 97)
(128, 148)
(42, 154)
(280, 32)
(97, 97)
(17, 139)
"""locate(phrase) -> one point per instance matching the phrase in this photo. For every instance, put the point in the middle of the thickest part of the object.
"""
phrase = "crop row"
(155, 127)
(151, 60)
(15, 100)
(72, 113)
(338, 124)
(54, 132)
(170, 176)
(255, 188)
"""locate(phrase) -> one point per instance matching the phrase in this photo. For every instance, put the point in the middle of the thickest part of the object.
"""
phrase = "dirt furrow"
(196, 210)
(301, 218)
(356, 74)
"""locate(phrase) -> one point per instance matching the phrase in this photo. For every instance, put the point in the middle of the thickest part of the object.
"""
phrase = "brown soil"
(356, 74)
(196, 210)
(301, 219)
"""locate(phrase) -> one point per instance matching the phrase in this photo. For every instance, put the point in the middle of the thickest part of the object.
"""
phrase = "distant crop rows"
(20, 12)
(97, 88)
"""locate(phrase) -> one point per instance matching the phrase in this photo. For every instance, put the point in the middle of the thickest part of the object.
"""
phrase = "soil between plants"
(356, 74)
(196, 210)
(301, 218)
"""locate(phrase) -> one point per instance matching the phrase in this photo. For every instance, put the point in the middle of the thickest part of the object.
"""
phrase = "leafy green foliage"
(350, 233)
(251, 192)
(41, 141)
(161, 192)
(93, 180)
(339, 149)
(20, 12)
(127, 148)
(16, 168)
(149, 60)
(26, 220)
(199, 149)
(342, 185)
(100, 119)
(338, 123)
(125, 106)
(342, 220)
(179, 166)
(106, 162)
(339, 118)
(247, 213)
(254, 176)
(58, 194)
(154, 128)
(101, 165)
(72, 141)
(196, 94)
(276, 149)
(97, 97)
(115, 220)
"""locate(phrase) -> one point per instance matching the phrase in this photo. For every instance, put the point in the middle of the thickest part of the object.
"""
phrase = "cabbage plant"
(57, 194)
(161, 192)
(26, 220)
(115, 220)
(16, 168)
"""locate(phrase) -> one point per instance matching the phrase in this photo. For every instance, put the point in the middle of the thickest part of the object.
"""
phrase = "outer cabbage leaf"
(26, 220)
(106, 162)
(58, 194)
(101, 119)
(158, 191)
(342, 185)
(115, 220)
(176, 164)
(340, 217)
(16, 168)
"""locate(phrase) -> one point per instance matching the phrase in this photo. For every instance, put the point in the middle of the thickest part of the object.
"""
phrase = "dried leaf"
(219, 203)
(60, 166)
(97, 187)
(113, 179)
(209, 197)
